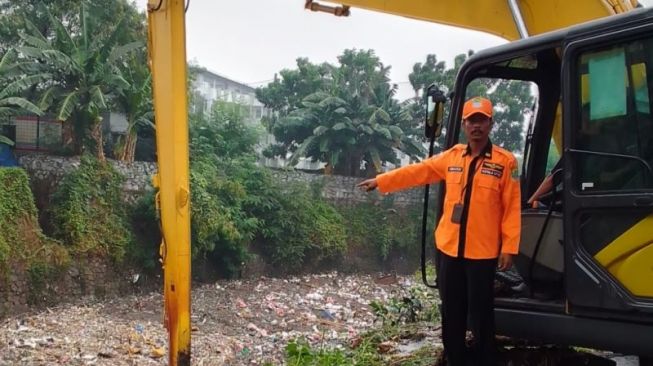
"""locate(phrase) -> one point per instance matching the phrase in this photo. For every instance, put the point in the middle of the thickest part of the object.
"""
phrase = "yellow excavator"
(587, 256)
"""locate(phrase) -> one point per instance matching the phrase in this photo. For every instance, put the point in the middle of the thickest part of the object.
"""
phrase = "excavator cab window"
(615, 133)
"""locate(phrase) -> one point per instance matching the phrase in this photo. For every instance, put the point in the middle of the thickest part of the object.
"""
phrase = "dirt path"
(234, 323)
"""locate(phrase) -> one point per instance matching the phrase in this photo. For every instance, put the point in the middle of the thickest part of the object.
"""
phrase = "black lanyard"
(476, 168)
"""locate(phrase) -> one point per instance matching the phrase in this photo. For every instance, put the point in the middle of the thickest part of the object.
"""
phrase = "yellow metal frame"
(167, 51)
(495, 16)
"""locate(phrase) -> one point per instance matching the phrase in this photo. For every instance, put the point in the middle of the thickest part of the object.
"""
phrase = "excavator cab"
(586, 256)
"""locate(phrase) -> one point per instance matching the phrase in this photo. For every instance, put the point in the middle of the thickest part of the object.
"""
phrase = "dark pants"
(467, 287)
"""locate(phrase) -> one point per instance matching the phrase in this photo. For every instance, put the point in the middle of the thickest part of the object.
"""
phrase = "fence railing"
(34, 133)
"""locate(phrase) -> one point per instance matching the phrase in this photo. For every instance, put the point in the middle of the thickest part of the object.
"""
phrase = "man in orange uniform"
(479, 229)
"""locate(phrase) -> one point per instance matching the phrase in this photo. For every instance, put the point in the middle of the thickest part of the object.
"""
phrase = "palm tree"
(85, 74)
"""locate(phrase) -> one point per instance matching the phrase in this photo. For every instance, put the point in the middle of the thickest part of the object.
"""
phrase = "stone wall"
(342, 190)
(47, 171)
(86, 277)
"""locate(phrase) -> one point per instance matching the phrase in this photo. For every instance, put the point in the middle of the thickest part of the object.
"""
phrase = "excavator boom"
(498, 17)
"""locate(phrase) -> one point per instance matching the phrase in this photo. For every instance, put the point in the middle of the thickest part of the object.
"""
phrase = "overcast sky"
(249, 41)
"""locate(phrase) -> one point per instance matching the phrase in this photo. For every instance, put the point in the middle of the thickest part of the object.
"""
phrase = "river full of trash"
(238, 322)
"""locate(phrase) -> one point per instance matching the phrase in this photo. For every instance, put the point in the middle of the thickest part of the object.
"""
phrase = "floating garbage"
(233, 323)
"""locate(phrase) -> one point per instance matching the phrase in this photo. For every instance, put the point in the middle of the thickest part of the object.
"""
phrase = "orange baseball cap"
(477, 105)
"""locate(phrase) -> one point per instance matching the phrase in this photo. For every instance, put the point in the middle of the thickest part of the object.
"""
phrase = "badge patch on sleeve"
(455, 169)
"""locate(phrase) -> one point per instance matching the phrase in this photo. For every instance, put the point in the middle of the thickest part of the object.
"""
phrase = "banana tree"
(351, 121)
(85, 74)
(135, 102)
(345, 134)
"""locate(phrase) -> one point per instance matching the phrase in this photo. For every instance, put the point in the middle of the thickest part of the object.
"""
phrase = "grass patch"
(374, 348)
(400, 338)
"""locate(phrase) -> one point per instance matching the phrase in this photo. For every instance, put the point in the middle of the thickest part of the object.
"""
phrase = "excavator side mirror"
(435, 100)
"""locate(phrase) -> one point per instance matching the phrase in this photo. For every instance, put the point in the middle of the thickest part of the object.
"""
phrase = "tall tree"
(290, 87)
(344, 115)
(13, 14)
(423, 75)
(343, 136)
(513, 103)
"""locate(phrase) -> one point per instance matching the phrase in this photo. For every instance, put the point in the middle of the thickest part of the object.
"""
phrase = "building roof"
(213, 74)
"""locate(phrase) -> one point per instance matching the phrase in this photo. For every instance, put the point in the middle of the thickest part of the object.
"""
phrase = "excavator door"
(608, 178)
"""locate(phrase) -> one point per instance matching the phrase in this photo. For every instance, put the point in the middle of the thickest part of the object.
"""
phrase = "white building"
(210, 86)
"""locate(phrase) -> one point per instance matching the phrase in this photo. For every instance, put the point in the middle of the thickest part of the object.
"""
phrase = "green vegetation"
(238, 207)
(384, 229)
(87, 212)
(347, 115)
(40, 274)
(418, 305)
(21, 239)
(342, 114)
(22, 244)
(77, 60)
(13, 83)
(143, 251)
(16, 203)
(306, 230)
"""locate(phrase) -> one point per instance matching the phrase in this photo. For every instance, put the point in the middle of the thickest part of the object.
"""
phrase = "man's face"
(477, 127)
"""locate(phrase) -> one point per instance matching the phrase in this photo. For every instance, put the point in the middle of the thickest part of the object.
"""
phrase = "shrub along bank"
(26, 255)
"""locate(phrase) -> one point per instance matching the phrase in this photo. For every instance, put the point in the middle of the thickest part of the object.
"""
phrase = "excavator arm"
(509, 19)
(167, 54)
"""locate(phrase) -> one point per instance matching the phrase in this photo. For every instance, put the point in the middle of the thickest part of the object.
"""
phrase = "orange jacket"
(491, 218)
